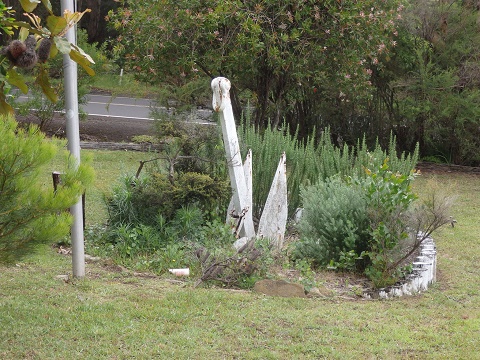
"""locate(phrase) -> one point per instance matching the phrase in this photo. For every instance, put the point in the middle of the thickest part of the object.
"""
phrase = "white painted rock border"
(423, 275)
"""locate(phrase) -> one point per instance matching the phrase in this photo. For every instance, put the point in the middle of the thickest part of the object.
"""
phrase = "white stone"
(240, 243)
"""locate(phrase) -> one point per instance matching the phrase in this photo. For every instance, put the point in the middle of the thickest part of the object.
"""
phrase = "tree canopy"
(287, 55)
(407, 67)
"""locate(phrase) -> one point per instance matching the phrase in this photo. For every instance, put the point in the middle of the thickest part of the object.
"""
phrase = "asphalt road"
(119, 107)
(131, 108)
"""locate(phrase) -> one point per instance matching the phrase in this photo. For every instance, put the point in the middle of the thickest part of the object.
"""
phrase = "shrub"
(334, 221)
(369, 224)
(120, 204)
(188, 146)
(389, 197)
(29, 213)
(163, 245)
(141, 201)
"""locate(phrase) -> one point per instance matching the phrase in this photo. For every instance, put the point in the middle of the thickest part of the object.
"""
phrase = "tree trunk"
(93, 19)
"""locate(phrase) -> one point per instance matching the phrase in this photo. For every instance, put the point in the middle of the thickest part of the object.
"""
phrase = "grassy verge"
(122, 85)
(110, 167)
(119, 314)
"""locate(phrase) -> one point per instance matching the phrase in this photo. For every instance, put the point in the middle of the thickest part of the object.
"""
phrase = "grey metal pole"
(73, 137)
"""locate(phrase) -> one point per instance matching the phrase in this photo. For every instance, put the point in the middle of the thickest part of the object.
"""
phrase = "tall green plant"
(267, 146)
(29, 213)
(389, 197)
(311, 161)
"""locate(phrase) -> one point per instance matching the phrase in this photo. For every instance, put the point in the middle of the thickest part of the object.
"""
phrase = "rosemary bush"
(267, 147)
(310, 161)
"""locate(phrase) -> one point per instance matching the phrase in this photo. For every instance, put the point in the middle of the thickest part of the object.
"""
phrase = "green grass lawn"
(122, 315)
(110, 168)
(122, 85)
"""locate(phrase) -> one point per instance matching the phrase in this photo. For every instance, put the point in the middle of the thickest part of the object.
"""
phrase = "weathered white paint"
(273, 222)
(424, 274)
(247, 170)
(222, 104)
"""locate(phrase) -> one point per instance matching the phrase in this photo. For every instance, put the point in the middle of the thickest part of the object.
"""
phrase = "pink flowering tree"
(289, 58)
